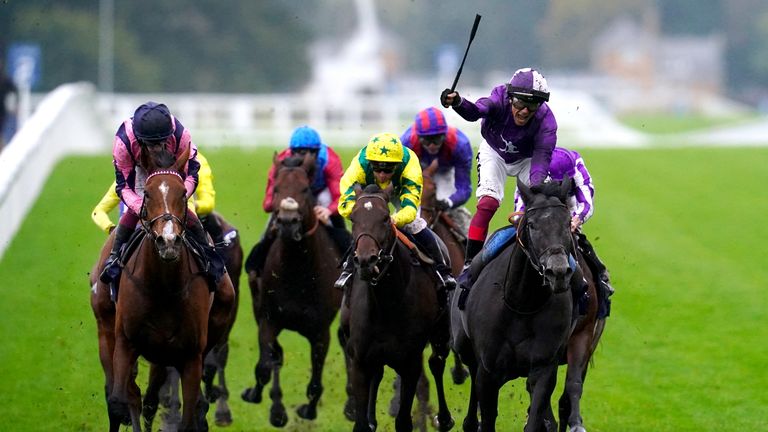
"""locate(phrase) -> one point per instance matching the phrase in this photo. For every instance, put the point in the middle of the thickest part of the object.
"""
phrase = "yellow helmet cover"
(384, 147)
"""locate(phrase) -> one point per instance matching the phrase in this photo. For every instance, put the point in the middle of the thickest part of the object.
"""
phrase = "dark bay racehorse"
(390, 313)
(518, 314)
(295, 291)
(165, 311)
(581, 345)
(453, 237)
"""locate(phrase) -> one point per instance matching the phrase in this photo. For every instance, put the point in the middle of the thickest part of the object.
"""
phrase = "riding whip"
(471, 37)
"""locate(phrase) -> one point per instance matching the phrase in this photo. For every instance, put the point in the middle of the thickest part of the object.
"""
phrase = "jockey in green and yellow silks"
(384, 161)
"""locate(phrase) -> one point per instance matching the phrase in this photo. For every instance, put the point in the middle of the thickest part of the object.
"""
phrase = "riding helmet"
(430, 121)
(305, 137)
(152, 122)
(384, 147)
(528, 84)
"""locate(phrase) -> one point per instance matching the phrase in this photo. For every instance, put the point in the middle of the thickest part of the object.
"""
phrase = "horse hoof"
(577, 429)
(471, 426)
(307, 412)
(349, 411)
(251, 395)
(223, 419)
(213, 394)
(278, 417)
(459, 375)
(443, 425)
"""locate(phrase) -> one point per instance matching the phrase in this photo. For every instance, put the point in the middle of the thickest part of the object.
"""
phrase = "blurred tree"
(691, 17)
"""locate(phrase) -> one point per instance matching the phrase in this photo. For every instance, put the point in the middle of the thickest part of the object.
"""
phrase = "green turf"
(682, 231)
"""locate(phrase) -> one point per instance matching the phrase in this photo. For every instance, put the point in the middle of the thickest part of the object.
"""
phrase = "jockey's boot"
(346, 272)
(428, 240)
(214, 266)
(213, 227)
(112, 264)
(473, 248)
(601, 272)
(258, 256)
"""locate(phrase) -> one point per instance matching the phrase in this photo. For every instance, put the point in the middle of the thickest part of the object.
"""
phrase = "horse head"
(544, 231)
(292, 193)
(373, 231)
(429, 193)
(164, 210)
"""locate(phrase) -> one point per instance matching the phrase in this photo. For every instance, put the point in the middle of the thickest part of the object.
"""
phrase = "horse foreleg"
(360, 383)
(157, 378)
(223, 413)
(570, 402)
(191, 375)
(409, 379)
(263, 369)
(540, 385)
(169, 399)
(487, 387)
(319, 351)
(349, 404)
(443, 420)
(470, 423)
(277, 415)
(126, 391)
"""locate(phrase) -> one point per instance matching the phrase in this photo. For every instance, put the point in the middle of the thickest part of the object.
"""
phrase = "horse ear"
(358, 190)
(146, 162)
(525, 191)
(565, 188)
(309, 166)
(275, 161)
(431, 169)
(181, 162)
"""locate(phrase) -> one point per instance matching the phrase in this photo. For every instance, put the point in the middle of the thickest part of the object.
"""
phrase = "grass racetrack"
(683, 232)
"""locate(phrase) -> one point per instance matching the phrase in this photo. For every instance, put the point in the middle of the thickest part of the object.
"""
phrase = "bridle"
(147, 225)
(534, 260)
(383, 257)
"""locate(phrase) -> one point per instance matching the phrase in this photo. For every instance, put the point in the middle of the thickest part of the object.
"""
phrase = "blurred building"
(637, 64)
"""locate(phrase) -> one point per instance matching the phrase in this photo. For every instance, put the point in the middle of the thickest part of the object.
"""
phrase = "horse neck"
(172, 275)
(390, 290)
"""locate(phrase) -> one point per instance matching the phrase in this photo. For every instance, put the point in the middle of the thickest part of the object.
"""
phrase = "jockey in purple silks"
(519, 131)
(431, 139)
(153, 130)
(569, 163)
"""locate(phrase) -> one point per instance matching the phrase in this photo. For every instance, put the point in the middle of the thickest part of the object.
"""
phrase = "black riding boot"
(258, 256)
(473, 248)
(112, 264)
(213, 227)
(601, 272)
(428, 240)
(214, 267)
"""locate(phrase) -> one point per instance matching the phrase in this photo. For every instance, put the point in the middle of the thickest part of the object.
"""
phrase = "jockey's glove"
(444, 98)
(444, 204)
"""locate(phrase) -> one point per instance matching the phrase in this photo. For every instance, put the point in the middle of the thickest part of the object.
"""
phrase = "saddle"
(419, 256)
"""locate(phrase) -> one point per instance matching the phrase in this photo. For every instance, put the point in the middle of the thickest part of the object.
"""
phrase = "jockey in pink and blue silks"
(152, 131)
(519, 131)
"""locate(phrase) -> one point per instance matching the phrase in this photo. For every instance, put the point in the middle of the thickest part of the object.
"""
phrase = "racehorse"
(518, 314)
(165, 311)
(295, 291)
(388, 316)
(216, 361)
(449, 232)
(586, 334)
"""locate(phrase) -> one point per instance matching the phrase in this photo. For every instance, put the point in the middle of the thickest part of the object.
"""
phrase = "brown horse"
(165, 311)
(295, 291)
(581, 345)
(390, 314)
(104, 311)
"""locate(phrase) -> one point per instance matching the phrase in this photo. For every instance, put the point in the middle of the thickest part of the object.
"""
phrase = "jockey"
(152, 132)
(203, 203)
(431, 139)
(325, 189)
(386, 161)
(519, 131)
(569, 163)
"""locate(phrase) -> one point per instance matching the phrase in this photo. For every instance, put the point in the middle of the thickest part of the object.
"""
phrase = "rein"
(385, 258)
(533, 260)
(147, 225)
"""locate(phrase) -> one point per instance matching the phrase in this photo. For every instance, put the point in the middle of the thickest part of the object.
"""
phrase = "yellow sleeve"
(353, 175)
(205, 195)
(411, 183)
(100, 213)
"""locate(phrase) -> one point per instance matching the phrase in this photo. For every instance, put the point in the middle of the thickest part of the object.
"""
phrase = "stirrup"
(111, 269)
(341, 282)
(447, 281)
